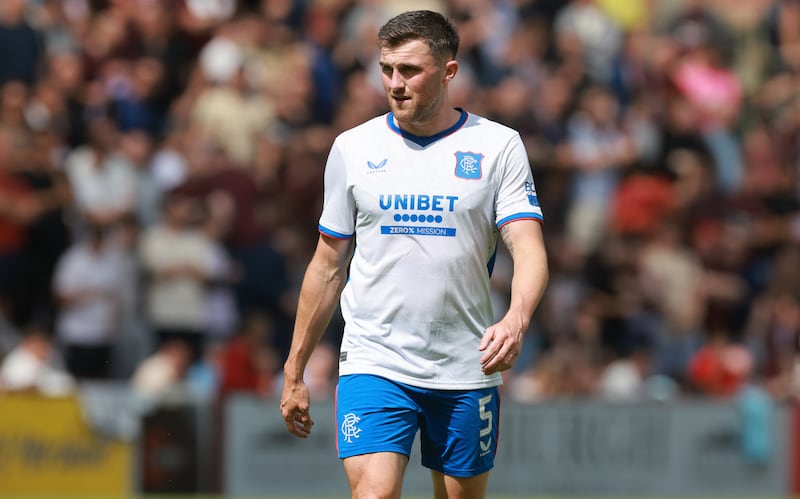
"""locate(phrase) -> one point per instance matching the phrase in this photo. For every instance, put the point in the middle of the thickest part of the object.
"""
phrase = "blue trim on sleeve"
(332, 233)
(520, 216)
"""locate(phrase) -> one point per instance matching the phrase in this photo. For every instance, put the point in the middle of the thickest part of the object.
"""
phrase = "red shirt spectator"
(14, 201)
(248, 364)
(720, 368)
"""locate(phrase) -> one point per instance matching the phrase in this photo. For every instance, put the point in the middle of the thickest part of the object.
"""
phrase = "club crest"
(350, 429)
(468, 165)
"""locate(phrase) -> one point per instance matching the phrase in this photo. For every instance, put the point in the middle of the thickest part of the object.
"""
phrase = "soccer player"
(414, 203)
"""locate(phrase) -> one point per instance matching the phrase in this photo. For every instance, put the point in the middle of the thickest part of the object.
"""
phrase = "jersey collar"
(426, 141)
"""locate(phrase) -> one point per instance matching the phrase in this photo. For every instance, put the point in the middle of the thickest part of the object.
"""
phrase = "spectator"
(720, 368)
(161, 377)
(625, 377)
(671, 282)
(177, 259)
(595, 35)
(716, 94)
(21, 46)
(102, 180)
(263, 283)
(248, 364)
(66, 74)
(18, 208)
(33, 366)
(322, 33)
(90, 291)
(135, 99)
(222, 311)
(47, 235)
(203, 377)
(134, 341)
(137, 147)
(229, 108)
(156, 28)
(599, 150)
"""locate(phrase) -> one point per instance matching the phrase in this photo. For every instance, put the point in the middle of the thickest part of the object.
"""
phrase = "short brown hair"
(431, 27)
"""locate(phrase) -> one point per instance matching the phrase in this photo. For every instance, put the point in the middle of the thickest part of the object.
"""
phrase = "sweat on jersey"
(425, 213)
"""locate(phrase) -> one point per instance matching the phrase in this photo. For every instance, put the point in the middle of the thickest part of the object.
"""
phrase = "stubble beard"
(412, 112)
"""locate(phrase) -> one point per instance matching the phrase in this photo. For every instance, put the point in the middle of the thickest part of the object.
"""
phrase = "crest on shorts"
(350, 429)
(468, 165)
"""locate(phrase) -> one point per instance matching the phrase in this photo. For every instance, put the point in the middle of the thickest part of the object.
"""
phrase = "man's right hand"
(295, 409)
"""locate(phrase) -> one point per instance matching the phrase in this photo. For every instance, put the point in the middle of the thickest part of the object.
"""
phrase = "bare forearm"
(530, 276)
(502, 342)
(319, 295)
(315, 308)
(527, 287)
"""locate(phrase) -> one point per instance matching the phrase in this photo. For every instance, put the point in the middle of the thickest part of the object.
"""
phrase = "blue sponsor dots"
(418, 218)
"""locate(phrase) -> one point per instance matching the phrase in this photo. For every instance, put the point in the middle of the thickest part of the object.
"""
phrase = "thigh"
(458, 432)
(373, 415)
(449, 487)
(378, 474)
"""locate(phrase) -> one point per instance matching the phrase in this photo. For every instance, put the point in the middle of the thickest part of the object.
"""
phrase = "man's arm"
(323, 282)
(502, 342)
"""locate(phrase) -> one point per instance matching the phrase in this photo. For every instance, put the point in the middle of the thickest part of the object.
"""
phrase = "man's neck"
(444, 120)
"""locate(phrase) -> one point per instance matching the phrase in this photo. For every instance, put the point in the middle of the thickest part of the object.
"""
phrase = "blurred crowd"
(161, 177)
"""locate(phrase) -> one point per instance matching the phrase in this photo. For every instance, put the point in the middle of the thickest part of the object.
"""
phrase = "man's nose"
(396, 80)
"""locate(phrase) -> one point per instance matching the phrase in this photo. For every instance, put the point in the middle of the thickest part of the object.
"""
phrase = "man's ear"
(450, 69)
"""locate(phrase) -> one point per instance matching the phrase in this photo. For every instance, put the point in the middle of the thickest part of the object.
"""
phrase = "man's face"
(414, 82)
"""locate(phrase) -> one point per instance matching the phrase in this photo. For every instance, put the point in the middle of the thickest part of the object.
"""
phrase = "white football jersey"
(425, 213)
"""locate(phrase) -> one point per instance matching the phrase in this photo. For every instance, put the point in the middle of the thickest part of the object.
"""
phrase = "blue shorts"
(458, 428)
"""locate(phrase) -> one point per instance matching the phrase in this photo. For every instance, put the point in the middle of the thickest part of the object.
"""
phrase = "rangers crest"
(349, 427)
(468, 165)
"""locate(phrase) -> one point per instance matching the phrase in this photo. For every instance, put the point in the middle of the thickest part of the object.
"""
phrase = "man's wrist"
(292, 374)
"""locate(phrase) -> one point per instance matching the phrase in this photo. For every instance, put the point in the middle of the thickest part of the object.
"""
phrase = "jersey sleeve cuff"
(520, 216)
(332, 233)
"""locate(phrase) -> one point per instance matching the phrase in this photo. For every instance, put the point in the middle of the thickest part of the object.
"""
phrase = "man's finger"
(299, 424)
(503, 359)
(486, 340)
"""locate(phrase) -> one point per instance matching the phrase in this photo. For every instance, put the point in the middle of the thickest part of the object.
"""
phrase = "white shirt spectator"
(28, 367)
(108, 187)
(92, 288)
(162, 374)
(177, 301)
